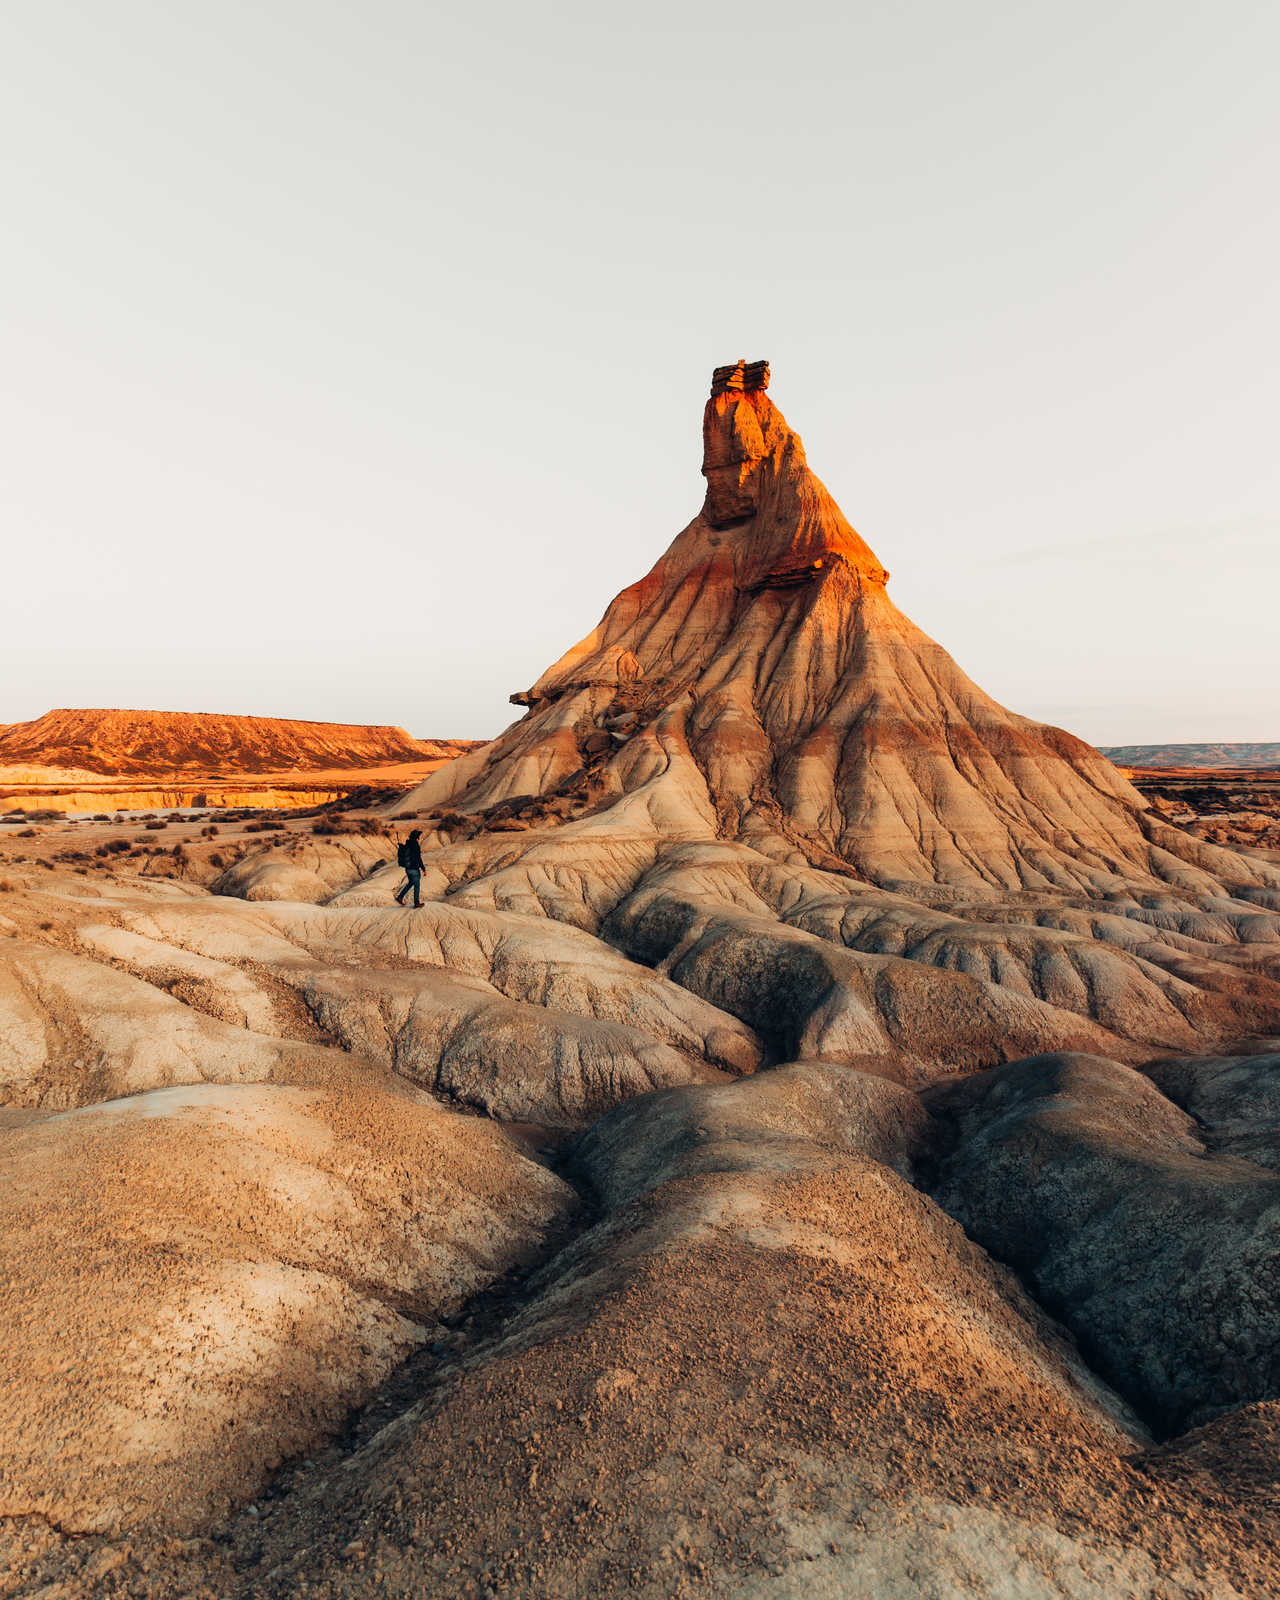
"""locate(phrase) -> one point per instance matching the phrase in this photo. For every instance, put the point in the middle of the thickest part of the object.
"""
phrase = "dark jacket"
(412, 856)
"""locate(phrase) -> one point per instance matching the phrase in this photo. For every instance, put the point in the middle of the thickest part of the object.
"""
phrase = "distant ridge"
(119, 743)
(1193, 755)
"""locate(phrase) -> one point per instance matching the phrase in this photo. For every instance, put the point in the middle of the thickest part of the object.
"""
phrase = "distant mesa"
(1253, 755)
(743, 376)
(121, 743)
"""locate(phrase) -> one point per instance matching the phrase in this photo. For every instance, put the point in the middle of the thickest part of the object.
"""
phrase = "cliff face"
(117, 743)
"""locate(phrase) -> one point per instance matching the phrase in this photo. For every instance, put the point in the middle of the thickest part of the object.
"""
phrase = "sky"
(355, 356)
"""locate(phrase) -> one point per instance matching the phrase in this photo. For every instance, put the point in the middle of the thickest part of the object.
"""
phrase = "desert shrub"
(331, 825)
(100, 816)
(217, 859)
(112, 847)
(405, 816)
(264, 826)
(6, 887)
(155, 825)
(46, 927)
(26, 833)
(211, 832)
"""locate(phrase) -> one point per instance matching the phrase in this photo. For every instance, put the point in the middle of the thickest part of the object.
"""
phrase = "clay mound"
(756, 817)
(776, 1370)
(758, 684)
(205, 1280)
(114, 743)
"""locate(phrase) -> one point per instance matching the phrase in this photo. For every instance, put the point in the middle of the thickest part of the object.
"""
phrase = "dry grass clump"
(112, 847)
(157, 824)
(263, 825)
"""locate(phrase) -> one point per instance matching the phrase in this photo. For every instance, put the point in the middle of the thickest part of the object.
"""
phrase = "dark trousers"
(413, 880)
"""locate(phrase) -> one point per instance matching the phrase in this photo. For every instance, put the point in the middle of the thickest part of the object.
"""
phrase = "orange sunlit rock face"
(85, 760)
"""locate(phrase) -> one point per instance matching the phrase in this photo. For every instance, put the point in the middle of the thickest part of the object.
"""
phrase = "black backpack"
(402, 854)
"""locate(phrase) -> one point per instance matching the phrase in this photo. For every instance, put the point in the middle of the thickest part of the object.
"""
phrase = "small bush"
(217, 859)
(211, 832)
(27, 833)
(263, 826)
(153, 826)
(6, 887)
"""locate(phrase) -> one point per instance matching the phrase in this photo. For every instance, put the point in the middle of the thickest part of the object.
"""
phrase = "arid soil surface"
(818, 1135)
(85, 761)
(1226, 805)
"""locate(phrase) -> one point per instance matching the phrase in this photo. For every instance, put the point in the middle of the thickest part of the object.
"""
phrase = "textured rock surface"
(777, 1370)
(202, 1281)
(1162, 1258)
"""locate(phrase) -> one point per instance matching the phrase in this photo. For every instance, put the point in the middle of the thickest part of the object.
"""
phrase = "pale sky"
(354, 355)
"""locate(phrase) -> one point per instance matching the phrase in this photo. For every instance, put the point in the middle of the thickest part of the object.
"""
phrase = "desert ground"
(818, 1135)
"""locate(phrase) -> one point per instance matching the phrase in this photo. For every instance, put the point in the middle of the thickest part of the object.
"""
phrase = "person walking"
(409, 856)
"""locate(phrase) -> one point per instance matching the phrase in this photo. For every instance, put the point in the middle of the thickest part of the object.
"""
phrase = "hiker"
(409, 856)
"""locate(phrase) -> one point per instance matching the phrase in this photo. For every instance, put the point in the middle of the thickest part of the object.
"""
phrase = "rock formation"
(910, 1086)
(90, 761)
